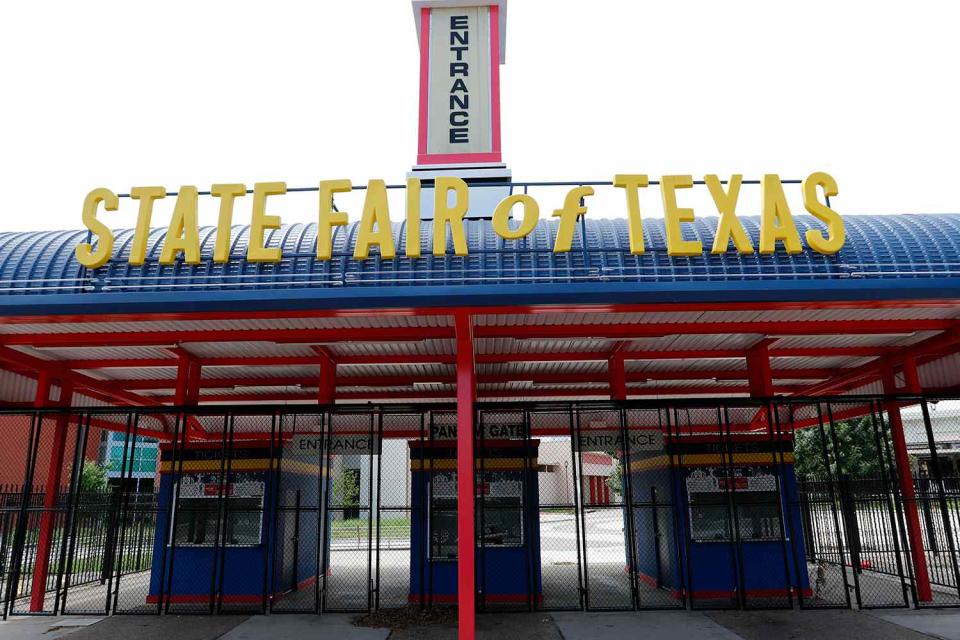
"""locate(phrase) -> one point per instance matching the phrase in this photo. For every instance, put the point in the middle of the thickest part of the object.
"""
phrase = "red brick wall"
(15, 442)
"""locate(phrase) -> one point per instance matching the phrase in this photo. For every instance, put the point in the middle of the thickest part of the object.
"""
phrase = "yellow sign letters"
(451, 203)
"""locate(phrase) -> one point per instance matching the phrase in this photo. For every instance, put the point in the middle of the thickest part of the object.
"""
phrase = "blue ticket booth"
(232, 520)
(725, 521)
(507, 522)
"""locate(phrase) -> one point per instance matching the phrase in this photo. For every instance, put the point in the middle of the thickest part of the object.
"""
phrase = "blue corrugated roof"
(884, 256)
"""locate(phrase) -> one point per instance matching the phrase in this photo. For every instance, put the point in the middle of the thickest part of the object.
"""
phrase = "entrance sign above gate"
(639, 441)
(344, 444)
(461, 49)
(451, 202)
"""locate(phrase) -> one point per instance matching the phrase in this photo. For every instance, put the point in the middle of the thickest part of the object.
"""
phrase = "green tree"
(857, 442)
(346, 487)
(615, 479)
(93, 477)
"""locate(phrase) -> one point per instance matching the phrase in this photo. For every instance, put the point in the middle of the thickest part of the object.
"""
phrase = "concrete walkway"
(662, 625)
(42, 627)
(303, 627)
(943, 623)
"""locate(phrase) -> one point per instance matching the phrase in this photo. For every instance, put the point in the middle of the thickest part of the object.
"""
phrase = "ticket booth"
(736, 529)
(225, 517)
(507, 522)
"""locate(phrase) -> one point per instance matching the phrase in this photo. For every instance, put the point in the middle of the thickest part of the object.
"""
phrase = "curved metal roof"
(914, 256)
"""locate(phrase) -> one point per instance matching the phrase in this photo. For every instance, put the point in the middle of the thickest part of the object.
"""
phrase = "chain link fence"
(602, 506)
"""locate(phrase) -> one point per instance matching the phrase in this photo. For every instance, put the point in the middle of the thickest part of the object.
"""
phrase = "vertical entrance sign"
(466, 545)
(461, 49)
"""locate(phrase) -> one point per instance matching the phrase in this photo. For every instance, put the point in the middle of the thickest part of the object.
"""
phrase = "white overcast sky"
(125, 93)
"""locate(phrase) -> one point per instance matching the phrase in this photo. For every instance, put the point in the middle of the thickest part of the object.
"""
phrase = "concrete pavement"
(938, 623)
(663, 625)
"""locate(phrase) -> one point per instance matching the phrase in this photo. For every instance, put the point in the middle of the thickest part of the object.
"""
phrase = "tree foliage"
(346, 487)
(93, 477)
(858, 445)
(615, 479)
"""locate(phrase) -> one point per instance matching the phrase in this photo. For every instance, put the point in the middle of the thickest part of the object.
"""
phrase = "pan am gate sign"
(452, 200)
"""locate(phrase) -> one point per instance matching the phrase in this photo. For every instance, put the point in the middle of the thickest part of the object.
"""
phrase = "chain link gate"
(594, 506)
(937, 495)
(856, 542)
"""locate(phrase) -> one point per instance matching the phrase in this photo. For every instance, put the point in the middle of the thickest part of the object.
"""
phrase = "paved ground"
(663, 625)
(937, 623)
(37, 628)
(787, 625)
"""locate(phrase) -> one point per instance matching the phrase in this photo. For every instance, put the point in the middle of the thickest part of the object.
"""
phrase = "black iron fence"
(579, 506)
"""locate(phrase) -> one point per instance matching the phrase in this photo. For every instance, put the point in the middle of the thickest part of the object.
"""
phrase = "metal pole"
(38, 586)
(905, 477)
(466, 568)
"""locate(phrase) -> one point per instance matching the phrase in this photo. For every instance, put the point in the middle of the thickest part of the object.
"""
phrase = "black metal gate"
(591, 506)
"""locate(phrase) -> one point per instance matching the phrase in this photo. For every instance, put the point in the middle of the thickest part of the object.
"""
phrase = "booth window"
(499, 513)
(500, 520)
(197, 519)
(754, 496)
(443, 516)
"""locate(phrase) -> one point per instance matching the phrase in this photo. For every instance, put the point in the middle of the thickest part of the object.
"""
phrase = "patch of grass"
(359, 528)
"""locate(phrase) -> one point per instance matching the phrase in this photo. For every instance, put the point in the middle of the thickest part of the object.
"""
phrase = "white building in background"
(945, 424)
(556, 475)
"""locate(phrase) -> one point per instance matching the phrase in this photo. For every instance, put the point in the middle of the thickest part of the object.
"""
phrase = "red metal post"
(327, 393)
(759, 372)
(193, 383)
(187, 389)
(618, 377)
(760, 379)
(905, 477)
(616, 368)
(466, 569)
(41, 566)
(183, 380)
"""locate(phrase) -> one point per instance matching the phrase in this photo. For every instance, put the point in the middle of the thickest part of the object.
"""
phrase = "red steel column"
(466, 391)
(51, 491)
(760, 379)
(618, 377)
(187, 390)
(759, 373)
(905, 478)
(327, 394)
(183, 380)
(193, 383)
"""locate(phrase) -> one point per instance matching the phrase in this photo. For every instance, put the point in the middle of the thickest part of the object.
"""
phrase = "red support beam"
(401, 334)
(51, 488)
(285, 336)
(536, 392)
(483, 358)
(491, 310)
(759, 373)
(616, 370)
(911, 377)
(187, 389)
(327, 391)
(939, 344)
(106, 389)
(194, 373)
(647, 330)
(466, 536)
(537, 378)
(905, 477)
